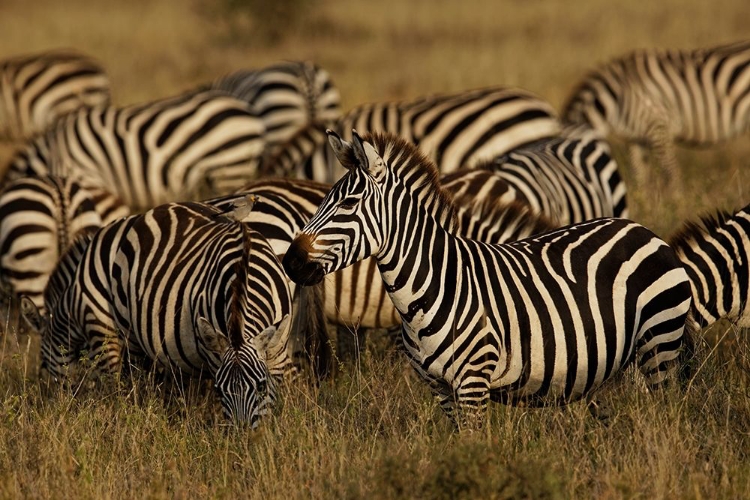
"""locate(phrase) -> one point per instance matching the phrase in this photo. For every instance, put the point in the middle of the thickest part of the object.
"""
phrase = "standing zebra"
(544, 320)
(655, 97)
(168, 150)
(39, 219)
(187, 286)
(569, 178)
(454, 130)
(286, 96)
(36, 90)
(716, 256)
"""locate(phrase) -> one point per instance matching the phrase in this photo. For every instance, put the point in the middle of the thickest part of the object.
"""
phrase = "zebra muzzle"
(297, 263)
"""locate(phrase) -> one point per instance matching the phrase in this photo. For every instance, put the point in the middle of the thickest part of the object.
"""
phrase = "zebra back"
(37, 89)
(286, 96)
(149, 154)
(715, 252)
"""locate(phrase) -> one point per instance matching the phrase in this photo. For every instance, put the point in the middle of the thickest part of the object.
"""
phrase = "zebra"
(286, 96)
(150, 154)
(187, 286)
(655, 97)
(37, 89)
(39, 218)
(716, 254)
(545, 320)
(568, 178)
(454, 130)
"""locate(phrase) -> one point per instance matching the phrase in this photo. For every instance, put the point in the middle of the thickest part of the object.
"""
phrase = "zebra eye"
(349, 202)
(261, 387)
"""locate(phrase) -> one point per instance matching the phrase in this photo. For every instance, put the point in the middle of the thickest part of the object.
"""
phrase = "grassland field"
(374, 431)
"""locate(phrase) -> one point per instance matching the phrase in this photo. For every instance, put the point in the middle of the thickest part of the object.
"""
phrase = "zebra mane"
(417, 172)
(692, 231)
(239, 298)
(64, 272)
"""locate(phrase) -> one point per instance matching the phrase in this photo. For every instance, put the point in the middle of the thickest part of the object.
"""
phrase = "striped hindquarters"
(39, 220)
(173, 149)
(38, 89)
(286, 96)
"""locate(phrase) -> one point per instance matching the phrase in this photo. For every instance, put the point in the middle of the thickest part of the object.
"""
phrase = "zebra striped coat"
(656, 97)
(36, 90)
(169, 150)
(568, 178)
(286, 96)
(39, 218)
(187, 286)
(545, 320)
(716, 256)
(454, 130)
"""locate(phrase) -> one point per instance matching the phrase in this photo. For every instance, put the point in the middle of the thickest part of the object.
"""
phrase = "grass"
(374, 432)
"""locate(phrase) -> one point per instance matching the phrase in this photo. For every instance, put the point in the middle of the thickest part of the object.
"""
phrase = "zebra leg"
(658, 353)
(105, 349)
(467, 405)
(665, 153)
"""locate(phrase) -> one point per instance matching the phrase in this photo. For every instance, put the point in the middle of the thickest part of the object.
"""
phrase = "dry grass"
(375, 431)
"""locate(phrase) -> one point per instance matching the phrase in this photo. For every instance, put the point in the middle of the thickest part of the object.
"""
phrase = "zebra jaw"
(297, 263)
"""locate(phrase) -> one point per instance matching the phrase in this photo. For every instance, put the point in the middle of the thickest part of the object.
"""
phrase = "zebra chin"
(299, 267)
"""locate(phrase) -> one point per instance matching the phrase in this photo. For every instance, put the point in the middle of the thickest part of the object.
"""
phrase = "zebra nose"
(298, 266)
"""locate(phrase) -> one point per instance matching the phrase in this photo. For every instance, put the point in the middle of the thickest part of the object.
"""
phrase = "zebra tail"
(688, 358)
(311, 327)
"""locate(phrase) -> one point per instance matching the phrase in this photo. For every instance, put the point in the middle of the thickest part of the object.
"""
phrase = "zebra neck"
(420, 270)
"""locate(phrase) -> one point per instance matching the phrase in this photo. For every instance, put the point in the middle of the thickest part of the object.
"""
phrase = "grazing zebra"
(569, 178)
(656, 97)
(150, 154)
(716, 256)
(286, 96)
(189, 287)
(454, 130)
(39, 219)
(36, 90)
(543, 320)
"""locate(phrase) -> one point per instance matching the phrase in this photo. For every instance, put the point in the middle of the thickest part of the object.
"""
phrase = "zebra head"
(243, 382)
(348, 225)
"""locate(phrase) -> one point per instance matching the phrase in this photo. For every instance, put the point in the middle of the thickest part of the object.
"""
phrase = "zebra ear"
(359, 150)
(342, 149)
(264, 339)
(211, 338)
(31, 314)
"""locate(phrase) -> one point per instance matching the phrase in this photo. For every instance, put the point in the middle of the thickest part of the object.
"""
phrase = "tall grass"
(374, 431)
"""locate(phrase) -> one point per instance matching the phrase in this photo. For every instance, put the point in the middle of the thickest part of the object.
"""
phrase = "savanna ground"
(374, 432)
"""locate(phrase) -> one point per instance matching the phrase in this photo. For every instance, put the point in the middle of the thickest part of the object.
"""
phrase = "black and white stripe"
(568, 178)
(716, 256)
(656, 97)
(454, 130)
(286, 96)
(190, 288)
(36, 90)
(169, 150)
(39, 219)
(544, 320)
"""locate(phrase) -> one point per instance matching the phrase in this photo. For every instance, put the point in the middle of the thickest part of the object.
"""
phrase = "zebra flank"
(149, 154)
(545, 320)
(38, 89)
(716, 254)
(185, 286)
(39, 219)
(285, 96)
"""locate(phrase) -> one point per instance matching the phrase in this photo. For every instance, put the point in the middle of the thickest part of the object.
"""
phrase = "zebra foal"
(544, 320)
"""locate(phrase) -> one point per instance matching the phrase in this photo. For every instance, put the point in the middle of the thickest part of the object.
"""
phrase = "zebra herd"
(196, 232)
